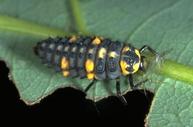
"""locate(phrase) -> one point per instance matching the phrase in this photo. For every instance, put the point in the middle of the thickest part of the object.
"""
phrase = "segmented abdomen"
(90, 57)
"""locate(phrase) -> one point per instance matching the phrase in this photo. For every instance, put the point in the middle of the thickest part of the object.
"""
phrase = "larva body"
(91, 57)
(95, 58)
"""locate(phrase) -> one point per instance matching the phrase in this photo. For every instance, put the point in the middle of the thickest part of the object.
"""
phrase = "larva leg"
(121, 98)
(89, 86)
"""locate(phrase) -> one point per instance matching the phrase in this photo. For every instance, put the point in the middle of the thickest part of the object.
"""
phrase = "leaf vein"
(150, 18)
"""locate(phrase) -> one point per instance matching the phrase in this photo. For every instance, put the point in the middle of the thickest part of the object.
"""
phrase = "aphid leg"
(148, 48)
(90, 85)
(121, 98)
(134, 87)
(140, 83)
(142, 68)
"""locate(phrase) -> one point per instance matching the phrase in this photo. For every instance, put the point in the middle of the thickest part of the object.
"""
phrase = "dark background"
(68, 106)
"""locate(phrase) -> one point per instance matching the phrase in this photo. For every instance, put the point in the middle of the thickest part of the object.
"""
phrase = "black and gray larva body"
(52, 50)
(92, 57)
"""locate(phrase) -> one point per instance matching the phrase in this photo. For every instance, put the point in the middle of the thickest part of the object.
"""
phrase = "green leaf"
(172, 106)
(164, 25)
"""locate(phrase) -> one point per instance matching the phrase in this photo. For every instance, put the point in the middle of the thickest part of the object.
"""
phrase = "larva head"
(130, 60)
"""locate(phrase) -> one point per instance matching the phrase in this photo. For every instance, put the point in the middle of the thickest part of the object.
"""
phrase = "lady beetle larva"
(93, 57)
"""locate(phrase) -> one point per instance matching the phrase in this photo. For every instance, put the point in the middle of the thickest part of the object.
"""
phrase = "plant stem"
(177, 71)
(78, 19)
(18, 25)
